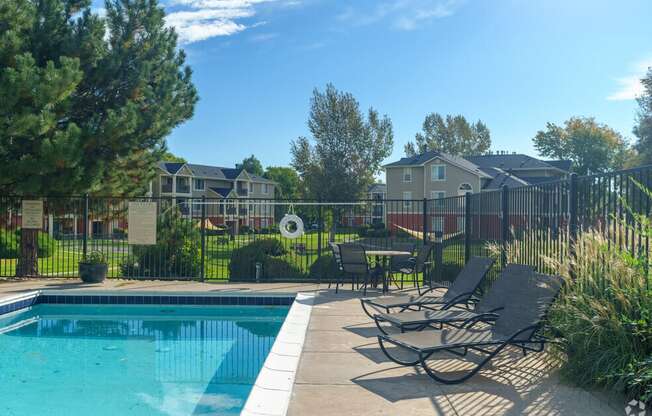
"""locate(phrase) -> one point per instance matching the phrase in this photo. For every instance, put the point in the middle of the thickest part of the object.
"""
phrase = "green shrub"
(376, 230)
(94, 257)
(269, 253)
(276, 267)
(604, 317)
(175, 254)
(10, 244)
(324, 268)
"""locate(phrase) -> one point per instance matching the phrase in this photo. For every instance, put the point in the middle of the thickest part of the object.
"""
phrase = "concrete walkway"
(343, 372)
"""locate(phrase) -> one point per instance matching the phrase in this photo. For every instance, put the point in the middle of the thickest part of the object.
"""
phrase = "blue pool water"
(133, 360)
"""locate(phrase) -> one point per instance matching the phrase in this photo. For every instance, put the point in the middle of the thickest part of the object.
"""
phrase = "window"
(438, 224)
(198, 184)
(265, 188)
(407, 174)
(464, 189)
(196, 206)
(407, 199)
(438, 173)
(251, 187)
(438, 195)
(166, 184)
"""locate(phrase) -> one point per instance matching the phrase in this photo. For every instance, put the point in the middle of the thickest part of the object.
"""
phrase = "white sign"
(32, 213)
(142, 223)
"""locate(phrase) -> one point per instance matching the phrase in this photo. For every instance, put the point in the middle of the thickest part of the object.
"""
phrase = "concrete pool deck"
(343, 372)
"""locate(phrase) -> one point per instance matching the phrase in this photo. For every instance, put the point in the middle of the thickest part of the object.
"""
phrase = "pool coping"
(272, 391)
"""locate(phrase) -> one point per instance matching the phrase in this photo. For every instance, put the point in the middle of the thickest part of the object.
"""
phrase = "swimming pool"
(82, 357)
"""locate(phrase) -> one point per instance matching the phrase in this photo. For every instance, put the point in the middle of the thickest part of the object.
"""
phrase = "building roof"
(378, 187)
(561, 164)
(171, 167)
(423, 158)
(210, 172)
(511, 161)
(223, 192)
(501, 178)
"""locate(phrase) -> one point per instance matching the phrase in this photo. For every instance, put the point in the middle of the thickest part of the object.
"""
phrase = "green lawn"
(302, 252)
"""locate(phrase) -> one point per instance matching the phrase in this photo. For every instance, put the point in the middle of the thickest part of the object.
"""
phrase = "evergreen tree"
(252, 165)
(86, 101)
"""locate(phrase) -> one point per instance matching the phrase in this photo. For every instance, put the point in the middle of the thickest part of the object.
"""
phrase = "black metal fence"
(223, 239)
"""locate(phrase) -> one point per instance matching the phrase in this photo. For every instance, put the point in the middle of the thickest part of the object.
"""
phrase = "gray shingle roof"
(509, 161)
(223, 192)
(170, 167)
(502, 178)
(378, 187)
(422, 158)
(561, 164)
(210, 172)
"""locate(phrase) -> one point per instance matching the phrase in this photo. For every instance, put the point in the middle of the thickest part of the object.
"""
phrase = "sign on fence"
(32, 213)
(142, 223)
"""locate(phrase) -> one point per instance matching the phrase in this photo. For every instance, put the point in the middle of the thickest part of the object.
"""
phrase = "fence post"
(504, 224)
(85, 227)
(439, 256)
(572, 219)
(467, 227)
(202, 273)
(320, 220)
(425, 220)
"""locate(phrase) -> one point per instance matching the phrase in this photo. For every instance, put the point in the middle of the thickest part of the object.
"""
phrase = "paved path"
(343, 372)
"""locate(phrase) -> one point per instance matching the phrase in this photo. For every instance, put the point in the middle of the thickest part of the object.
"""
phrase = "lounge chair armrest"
(461, 298)
(432, 288)
(483, 317)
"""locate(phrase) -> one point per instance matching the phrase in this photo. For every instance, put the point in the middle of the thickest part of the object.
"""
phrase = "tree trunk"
(28, 259)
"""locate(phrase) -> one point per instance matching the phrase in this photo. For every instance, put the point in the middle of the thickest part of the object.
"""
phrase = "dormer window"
(407, 175)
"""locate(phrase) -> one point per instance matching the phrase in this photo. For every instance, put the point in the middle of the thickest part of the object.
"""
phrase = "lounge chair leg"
(396, 360)
(377, 321)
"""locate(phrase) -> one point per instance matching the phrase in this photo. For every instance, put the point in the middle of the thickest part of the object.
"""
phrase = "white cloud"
(403, 14)
(196, 20)
(631, 86)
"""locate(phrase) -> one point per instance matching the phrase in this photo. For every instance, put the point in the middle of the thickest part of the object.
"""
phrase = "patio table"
(384, 255)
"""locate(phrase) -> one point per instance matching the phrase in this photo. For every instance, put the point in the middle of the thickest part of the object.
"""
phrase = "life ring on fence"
(290, 222)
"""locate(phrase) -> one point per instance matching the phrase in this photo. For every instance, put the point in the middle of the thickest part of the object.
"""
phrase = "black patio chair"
(518, 325)
(355, 264)
(486, 310)
(398, 263)
(415, 265)
(335, 250)
(461, 291)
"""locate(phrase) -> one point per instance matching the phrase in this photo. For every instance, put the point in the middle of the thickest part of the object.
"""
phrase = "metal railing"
(213, 238)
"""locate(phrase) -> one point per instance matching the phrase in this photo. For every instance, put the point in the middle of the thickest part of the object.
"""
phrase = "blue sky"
(514, 64)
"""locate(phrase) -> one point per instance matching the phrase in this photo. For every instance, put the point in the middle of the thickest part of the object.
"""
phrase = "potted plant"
(93, 267)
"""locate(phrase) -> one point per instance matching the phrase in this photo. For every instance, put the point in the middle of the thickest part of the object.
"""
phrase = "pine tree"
(83, 97)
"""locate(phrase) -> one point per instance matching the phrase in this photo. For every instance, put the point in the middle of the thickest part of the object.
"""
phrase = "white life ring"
(291, 220)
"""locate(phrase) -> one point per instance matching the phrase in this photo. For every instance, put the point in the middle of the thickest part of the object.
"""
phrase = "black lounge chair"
(459, 292)
(486, 310)
(518, 325)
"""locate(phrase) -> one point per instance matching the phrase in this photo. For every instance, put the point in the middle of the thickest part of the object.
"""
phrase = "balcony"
(183, 186)
(166, 188)
(243, 192)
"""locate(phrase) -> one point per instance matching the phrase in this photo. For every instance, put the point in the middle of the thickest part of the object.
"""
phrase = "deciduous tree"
(591, 146)
(453, 135)
(643, 129)
(346, 149)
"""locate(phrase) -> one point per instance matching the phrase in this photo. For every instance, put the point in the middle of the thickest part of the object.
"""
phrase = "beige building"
(233, 196)
(436, 175)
